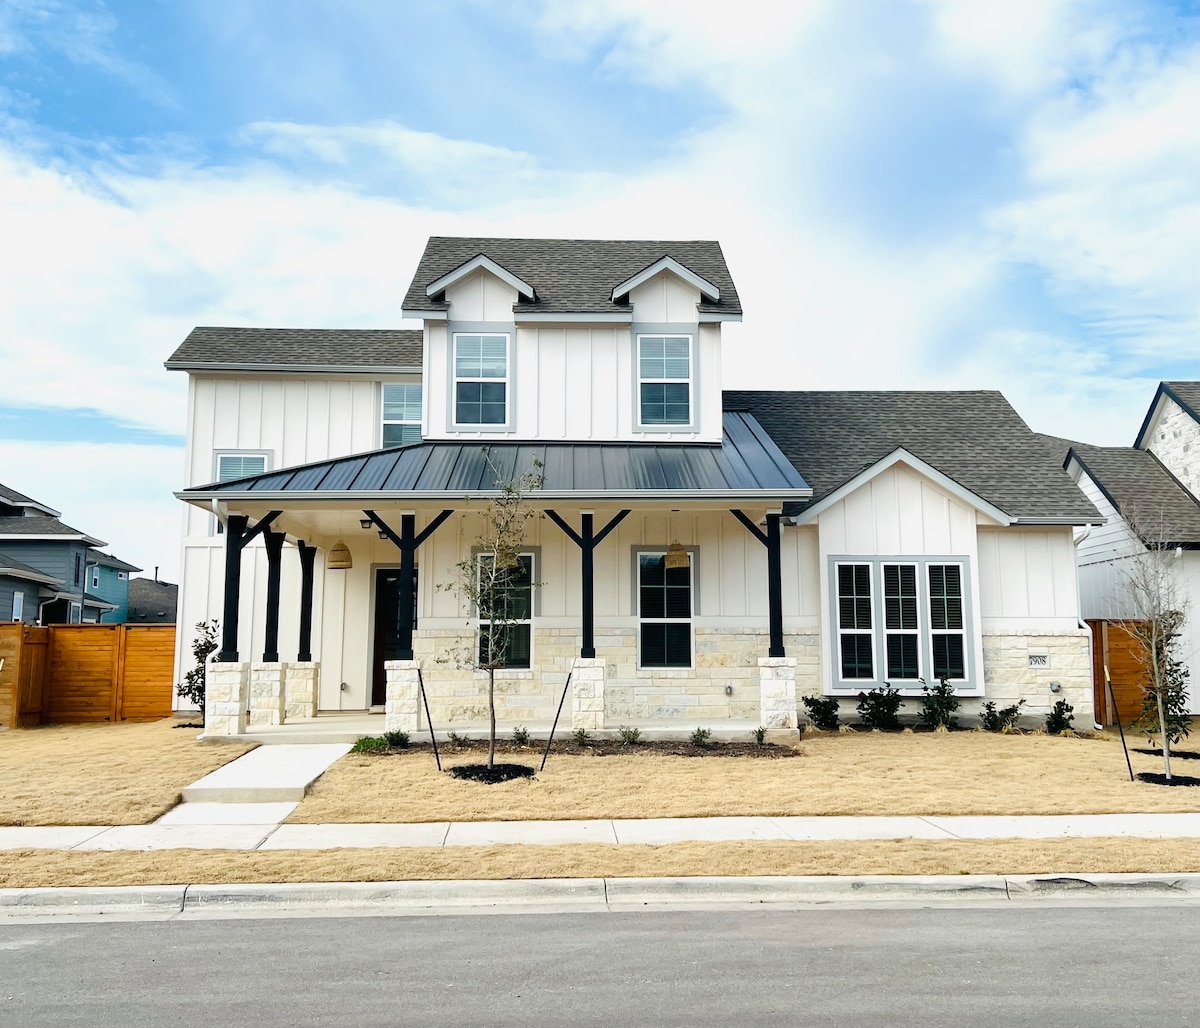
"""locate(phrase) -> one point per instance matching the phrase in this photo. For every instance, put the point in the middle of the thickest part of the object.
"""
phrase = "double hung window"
(947, 630)
(665, 606)
(18, 606)
(480, 379)
(855, 620)
(401, 413)
(665, 380)
(505, 612)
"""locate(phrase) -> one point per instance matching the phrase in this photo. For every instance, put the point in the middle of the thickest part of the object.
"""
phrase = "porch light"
(365, 522)
(339, 558)
(677, 556)
(382, 534)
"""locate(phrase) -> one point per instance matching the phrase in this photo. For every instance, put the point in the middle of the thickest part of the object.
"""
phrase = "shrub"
(760, 735)
(700, 738)
(205, 642)
(1002, 720)
(630, 736)
(454, 739)
(823, 712)
(1174, 678)
(938, 706)
(1060, 717)
(521, 735)
(879, 706)
(581, 737)
(369, 744)
(396, 740)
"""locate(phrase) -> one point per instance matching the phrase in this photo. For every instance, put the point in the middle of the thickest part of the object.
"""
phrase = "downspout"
(1087, 530)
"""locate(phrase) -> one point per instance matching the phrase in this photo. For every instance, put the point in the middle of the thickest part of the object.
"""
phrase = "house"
(108, 580)
(48, 569)
(152, 602)
(1152, 486)
(706, 557)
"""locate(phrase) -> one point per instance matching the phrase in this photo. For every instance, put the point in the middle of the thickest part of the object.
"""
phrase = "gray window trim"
(650, 328)
(636, 599)
(457, 328)
(972, 684)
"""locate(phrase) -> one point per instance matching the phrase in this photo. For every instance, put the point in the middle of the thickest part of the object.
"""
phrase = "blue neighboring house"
(46, 568)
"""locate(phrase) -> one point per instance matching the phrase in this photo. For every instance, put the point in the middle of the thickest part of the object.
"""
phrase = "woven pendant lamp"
(677, 556)
(339, 558)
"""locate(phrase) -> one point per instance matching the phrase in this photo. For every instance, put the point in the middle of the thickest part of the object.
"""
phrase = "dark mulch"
(492, 775)
(1157, 779)
(614, 747)
(1181, 754)
(189, 724)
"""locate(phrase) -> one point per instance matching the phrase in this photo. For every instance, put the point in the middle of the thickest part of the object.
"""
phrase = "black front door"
(387, 627)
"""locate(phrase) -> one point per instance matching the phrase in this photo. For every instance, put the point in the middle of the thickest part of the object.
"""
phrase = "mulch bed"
(614, 747)
(492, 775)
(1159, 779)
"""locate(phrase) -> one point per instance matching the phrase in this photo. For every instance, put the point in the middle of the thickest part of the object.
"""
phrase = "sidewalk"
(257, 828)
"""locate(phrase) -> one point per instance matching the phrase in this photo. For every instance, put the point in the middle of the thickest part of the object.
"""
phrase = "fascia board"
(15, 537)
(705, 287)
(296, 369)
(710, 317)
(473, 265)
(28, 576)
(410, 314)
(280, 499)
(902, 456)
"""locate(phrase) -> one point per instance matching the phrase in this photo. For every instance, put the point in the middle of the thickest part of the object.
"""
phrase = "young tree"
(205, 642)
(497, 582)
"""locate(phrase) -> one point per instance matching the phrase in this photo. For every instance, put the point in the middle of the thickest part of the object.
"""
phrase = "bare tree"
(496, 581)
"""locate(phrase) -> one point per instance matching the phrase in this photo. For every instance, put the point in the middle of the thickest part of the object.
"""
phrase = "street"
(1060, 966)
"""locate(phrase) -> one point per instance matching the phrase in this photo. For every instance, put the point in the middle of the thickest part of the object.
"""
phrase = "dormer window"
(664, 380)
(480, 379)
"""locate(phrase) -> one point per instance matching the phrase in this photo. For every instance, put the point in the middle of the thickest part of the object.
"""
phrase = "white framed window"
(230, 465)
(76, 615)
(666, 603)
(664, 381)
(510, 645)
(95, 576)
(18, 606)
(481, 379)
(401, 413)
(855, 623)
(121, 576)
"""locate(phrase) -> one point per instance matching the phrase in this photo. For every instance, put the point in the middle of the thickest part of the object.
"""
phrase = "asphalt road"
(978, 967)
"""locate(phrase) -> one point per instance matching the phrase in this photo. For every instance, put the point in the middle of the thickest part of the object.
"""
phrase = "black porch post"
(775, 586)
(587, 549)
(307, 555)
(408, 565)
(274, 546)
(235, 528)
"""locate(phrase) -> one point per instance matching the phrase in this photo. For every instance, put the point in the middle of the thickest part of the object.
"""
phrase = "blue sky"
(911, 193)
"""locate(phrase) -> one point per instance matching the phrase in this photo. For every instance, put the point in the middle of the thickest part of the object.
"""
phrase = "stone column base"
(301, 683)
(226, 695)
(403, 696)
(266, 694)
(587, 693)
(777, 692)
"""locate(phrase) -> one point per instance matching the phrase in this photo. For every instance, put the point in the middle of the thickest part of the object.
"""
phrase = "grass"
(31, 868)
(101, 774)
(863, 773)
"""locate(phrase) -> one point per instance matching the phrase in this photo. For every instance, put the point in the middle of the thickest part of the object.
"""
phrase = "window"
(78, 568)
(232, 466)
(665, 609)
(856, 641)
(946, 621)
(511, 598)
(665, 380)
(121, 576)
(96, 577)
(900, 621)
(76, 615)
(401, 413)
(18, 607)
(480, 379)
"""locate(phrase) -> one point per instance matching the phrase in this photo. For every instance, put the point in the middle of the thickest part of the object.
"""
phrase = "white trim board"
(474, 264)
(702, 285)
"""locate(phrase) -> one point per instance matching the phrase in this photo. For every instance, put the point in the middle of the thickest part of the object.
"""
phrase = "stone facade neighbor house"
(1155, 484)
(705, 557)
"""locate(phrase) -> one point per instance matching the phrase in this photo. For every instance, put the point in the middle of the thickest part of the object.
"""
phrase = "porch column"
(587, 541)
(274, 547)
(235, 529)
(771, 540)
(307, 556)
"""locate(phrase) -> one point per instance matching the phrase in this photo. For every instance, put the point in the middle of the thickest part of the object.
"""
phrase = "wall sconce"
(365, 522)
(339, 558)
(382, 534)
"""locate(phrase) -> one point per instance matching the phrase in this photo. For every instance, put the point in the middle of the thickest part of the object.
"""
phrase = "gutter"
(277, 497)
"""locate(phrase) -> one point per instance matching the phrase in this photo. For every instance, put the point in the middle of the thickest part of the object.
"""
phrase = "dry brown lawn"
(30, 868)
(863, 774)
(101, 774)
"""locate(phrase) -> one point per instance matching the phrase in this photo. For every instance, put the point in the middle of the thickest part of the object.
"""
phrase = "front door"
(387, 627)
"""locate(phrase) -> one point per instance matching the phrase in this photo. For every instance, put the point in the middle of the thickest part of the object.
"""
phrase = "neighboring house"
(34, 541)
(1154, 486)
(706, 556)
(108, 580)
(152, 602)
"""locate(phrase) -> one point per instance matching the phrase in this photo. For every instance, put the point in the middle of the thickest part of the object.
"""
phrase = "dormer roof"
(572, 276)
(12, 498)
(1185, 394)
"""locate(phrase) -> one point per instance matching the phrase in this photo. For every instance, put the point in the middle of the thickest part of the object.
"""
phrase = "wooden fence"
(70, 673)
(1117, 648)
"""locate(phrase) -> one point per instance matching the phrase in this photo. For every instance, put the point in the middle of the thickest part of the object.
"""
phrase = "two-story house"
(706, 557)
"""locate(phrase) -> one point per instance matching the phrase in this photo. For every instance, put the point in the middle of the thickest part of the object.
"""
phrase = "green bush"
(581, 737)
(369, 744)
(521, 735)
(760, 735)
(879, 706)
(396, 740)
(1004, 719)
(823, 712)
(1060, 717)
(630, 736)
(701, 737)
(203, 645)
(1174, 678)
(454, 739)
(938, 706)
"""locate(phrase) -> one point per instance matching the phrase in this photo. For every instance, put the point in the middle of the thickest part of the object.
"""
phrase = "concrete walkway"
(268, 774)
(268, 834)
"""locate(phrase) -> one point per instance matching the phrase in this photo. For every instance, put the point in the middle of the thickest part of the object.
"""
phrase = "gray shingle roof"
(746, 463)
(299, 349)
(152, 601)
(572, 275)
(109, 561)
(15, 499)
(16, 527)
(1143, 491)
(975, 438)
(1187, 392)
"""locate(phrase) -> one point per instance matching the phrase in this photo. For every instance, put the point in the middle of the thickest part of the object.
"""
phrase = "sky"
(910, 194)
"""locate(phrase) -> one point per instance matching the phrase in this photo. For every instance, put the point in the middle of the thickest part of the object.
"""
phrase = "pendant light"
(677, 556)
(339, 558)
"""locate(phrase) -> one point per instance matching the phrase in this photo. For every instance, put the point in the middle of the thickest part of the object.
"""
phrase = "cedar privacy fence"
(74, 673)
(1115, 646)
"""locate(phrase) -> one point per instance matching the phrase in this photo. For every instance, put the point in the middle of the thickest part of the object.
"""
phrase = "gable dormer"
(573, 339)
(1171, 431)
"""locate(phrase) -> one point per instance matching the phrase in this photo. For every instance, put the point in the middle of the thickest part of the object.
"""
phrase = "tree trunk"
(492, 717)
(1166, 735)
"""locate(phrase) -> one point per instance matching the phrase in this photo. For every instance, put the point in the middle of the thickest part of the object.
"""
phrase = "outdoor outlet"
(1055, 687)
(729, 690)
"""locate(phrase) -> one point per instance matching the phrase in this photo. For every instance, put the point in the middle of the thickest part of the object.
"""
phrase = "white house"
(1154, 484)
(706, 557)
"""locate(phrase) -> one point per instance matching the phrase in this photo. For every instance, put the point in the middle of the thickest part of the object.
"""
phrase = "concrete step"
(269, 774)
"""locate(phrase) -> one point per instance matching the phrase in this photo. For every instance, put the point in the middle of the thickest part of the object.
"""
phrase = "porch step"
(269, 774)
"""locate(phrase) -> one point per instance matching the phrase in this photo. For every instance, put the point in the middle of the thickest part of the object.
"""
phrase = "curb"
(589, 894)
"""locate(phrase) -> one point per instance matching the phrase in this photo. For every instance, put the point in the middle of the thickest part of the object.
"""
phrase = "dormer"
(573, 339)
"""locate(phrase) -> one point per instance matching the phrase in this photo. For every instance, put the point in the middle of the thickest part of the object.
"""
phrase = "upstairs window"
(480, 379)
(665, 380)
(96, 577)
(401, 413)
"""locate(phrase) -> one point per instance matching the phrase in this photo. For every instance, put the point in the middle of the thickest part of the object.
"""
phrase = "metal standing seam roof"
(746, 462)
(572, 276)
(292, 349)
